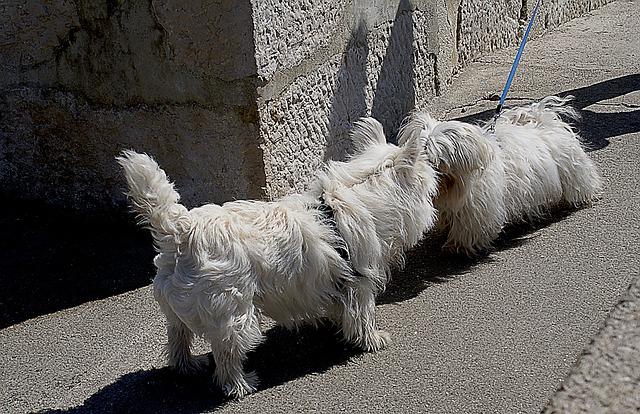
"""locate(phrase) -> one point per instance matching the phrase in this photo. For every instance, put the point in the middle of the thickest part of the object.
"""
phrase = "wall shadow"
(284, 356)
(596, 128)
(54, 258)
(394, 95)
(349, 102)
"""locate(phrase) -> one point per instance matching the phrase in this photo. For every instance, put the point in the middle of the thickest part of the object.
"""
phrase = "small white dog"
(531, 161)
(322, 254)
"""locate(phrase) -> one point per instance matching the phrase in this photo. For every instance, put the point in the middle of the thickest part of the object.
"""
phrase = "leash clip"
(492, 126)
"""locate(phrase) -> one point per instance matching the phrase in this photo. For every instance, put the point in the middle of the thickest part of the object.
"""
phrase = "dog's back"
(540, 146)
(279, 254)
(382, 199)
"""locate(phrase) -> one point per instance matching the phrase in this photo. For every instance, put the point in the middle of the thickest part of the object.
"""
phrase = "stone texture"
(377, 74)
(31, 35)
(288, 31)
(233, 97)
(86, 79)
(555, 12)
(73, 145)
(482, 28)
(130, 52)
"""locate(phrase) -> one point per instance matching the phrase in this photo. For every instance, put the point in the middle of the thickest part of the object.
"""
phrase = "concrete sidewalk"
(498, 335)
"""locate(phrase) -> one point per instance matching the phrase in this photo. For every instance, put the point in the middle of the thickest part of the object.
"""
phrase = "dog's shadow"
(429, 264)
(596, 127)
(316, 349)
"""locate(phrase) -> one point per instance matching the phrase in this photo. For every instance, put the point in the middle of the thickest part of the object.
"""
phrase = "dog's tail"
(155, 200)
(548, 113)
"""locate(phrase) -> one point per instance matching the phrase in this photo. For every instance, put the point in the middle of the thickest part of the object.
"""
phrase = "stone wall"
(236, 99)
(82, 80)
(372, 67)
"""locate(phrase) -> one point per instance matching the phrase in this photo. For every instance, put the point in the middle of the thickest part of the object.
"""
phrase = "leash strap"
(327, 213)
(514, 67)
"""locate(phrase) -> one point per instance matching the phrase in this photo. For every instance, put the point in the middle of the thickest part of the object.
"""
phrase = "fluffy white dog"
(322, 254)
(531, 161)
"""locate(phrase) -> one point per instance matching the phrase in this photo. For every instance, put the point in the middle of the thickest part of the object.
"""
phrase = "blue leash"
(514, 67)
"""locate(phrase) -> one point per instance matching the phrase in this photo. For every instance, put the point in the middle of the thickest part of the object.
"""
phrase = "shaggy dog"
(325, 253)
(530, 161)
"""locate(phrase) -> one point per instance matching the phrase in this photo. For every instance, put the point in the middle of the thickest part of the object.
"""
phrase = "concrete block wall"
(236, 99)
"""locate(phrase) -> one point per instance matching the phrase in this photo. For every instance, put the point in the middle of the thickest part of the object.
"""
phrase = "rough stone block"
(232, 97)
(86, 79)
(484, 27)
(376, 74)
(61, 149)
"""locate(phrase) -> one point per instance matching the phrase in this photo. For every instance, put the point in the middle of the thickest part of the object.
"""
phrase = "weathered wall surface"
(60, 148)
(485, 26)
(232, 97)
(383, 54)
(82, 80)
(482, 28)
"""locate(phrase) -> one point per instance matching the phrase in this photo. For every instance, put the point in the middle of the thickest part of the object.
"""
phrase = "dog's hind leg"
(236, 335)
(581, 183)
(179, 343)
(179, 350)
(359, 317)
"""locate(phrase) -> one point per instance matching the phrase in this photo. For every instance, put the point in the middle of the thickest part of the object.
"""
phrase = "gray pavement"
(497, 335)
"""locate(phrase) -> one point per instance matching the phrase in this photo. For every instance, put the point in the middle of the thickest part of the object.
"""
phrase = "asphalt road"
(498, 334)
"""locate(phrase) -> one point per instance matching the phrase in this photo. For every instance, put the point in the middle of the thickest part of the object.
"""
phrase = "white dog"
(531, 161)
(322, 254)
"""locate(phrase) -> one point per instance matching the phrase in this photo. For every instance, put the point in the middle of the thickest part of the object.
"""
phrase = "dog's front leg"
(359, 317)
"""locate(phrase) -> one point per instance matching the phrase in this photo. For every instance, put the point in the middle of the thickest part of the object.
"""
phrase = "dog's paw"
(378, 341)
(384, 339)
(241, 388)
(460, 251)
(193, 365)
(252, 379)
(452, 249)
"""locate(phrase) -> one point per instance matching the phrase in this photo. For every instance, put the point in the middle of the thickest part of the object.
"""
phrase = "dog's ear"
(418, 122)
(367, 132)
(411, 146)
(458, 147)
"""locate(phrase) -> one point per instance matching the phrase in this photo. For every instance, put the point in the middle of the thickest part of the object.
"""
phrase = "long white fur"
(219, 267)
(532, 161)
